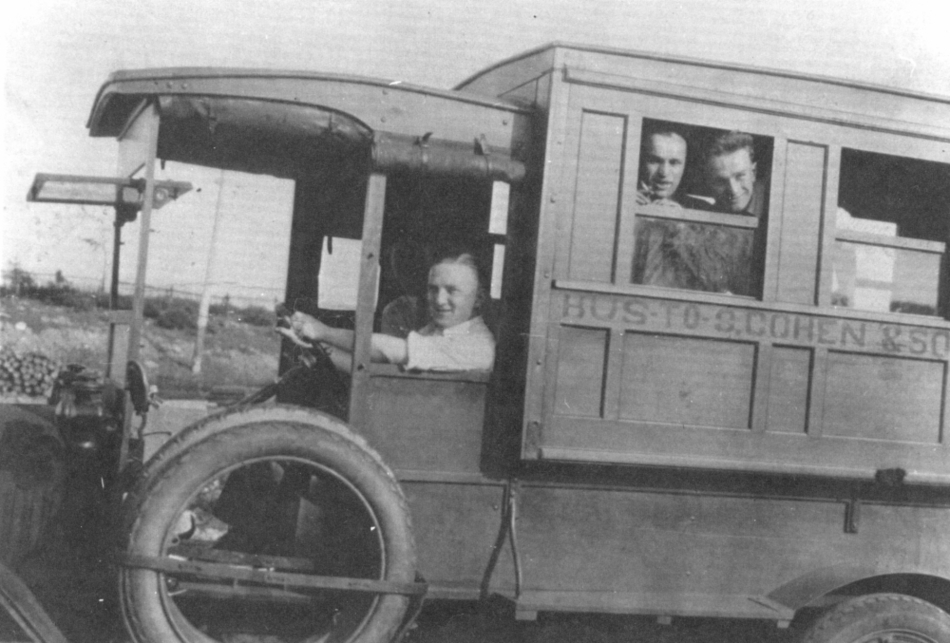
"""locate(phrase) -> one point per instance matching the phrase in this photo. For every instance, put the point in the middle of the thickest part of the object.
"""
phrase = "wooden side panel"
(579, 387)
(431, 424)
(616, 547)
(832, 395)
(884, 398)
(456, 526)
(788, 389)
(632, 551)
(798, 254)
(664, 544)
(596, 196)
(630, 373)
(684, 380)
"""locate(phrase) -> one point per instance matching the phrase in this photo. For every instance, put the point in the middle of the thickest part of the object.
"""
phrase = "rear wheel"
(881, 618)
(221, 533)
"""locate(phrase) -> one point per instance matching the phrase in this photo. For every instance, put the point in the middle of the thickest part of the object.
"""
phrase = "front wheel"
(272, 530)
(881, 618)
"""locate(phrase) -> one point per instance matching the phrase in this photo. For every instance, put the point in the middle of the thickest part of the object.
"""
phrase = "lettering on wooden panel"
(734, 322)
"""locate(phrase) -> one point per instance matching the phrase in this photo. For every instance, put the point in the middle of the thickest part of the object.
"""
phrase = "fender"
(806, 589)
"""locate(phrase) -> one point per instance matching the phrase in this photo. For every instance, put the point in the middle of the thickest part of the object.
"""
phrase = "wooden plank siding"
(782, 381)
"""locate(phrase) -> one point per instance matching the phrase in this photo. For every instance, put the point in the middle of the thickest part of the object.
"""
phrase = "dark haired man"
(662, 162)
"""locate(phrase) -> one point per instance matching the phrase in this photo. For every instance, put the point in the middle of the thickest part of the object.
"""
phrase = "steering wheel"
(316, 355)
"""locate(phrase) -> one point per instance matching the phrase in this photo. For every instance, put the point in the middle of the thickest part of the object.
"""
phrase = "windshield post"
(138, 147)
(366, 299)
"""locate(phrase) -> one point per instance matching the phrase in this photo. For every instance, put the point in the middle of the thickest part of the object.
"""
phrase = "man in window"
(709, 257)
(662, 162)
(731, 175)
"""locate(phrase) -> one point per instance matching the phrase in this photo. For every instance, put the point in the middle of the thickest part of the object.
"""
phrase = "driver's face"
(452, 294)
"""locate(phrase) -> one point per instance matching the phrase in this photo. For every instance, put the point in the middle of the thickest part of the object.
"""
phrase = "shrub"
(177, 318)
(22, 282)
(223, 309)
(155, 307)
(102, 301)
(72, 298)
(257, 316)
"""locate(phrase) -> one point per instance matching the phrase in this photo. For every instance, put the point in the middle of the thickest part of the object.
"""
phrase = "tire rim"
(170, 587)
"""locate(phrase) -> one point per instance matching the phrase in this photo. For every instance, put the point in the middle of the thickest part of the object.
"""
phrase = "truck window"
(702, 207)
(890, 231)
(423, 220)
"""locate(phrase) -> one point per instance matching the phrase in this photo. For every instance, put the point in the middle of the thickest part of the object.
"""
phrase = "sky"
(57, 53)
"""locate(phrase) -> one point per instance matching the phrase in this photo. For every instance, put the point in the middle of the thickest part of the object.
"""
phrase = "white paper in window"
(339, 278)
(498, 223)
(497, 270)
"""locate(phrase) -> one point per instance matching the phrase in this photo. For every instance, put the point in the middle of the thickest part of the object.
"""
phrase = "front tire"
(359, 527)
(881, 618)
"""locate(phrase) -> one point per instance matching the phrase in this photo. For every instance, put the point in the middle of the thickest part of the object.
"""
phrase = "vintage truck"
(674, 448)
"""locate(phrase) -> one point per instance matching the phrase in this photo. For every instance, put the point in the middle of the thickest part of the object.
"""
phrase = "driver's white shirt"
(469, 346)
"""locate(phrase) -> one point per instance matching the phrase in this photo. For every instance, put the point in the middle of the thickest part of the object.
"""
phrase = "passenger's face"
(731, 178)
(453, 294)
(664, 164)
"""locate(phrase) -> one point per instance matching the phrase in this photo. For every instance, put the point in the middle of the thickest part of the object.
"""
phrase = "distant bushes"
(58, 292)
(180, 315)
(170, 312)
(174, 313)
(256, 316)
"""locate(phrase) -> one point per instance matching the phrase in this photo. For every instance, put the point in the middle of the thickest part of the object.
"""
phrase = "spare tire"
(312, 498)
(33, 472)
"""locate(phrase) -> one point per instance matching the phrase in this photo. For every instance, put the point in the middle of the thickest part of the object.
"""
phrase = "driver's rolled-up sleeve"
(467, 347)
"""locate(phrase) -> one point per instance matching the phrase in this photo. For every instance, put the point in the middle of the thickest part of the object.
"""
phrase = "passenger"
(455, 339)
(705, 256)
(662, 163)
(731, 175)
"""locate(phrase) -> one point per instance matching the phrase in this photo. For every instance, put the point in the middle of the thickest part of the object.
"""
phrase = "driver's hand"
(307, 327)
(292, 336)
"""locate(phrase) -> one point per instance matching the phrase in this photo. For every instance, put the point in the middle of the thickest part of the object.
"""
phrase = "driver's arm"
(385, 348)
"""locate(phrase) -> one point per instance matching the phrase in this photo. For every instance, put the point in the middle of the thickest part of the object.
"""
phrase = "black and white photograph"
(516, 321)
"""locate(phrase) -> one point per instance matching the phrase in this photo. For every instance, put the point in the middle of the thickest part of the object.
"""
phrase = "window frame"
(883, 148)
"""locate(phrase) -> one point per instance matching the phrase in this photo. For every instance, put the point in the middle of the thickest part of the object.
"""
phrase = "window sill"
(654, 292)
(394, 371)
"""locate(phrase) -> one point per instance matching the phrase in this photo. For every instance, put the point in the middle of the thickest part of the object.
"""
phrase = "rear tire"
(881, 618)
(351, 491)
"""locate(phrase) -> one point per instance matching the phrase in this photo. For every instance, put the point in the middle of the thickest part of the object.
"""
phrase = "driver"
(455, 339)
